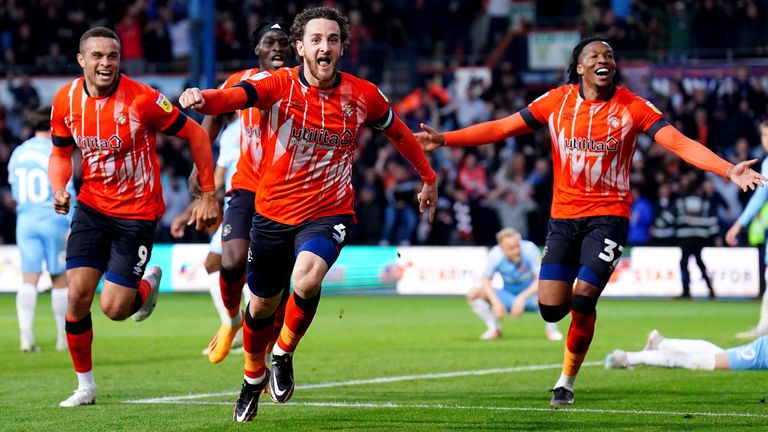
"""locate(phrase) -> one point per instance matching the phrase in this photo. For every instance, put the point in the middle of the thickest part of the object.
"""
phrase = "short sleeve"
(157, 111)
(232, 80)
(541, 108)
(645, 114)
(380, 113)
(61, 135)
(495, 256)
(12, 167)
(264, 88)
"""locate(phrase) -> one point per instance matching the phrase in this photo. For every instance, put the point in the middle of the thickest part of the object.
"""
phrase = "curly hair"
(573, 76)
(301, 20)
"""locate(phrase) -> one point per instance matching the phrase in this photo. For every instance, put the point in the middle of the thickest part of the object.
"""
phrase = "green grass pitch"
(384, 363)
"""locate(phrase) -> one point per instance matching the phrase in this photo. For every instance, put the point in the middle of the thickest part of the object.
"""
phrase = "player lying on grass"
(697, 354)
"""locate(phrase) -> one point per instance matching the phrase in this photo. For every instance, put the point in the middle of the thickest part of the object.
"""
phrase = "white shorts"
(215, 245)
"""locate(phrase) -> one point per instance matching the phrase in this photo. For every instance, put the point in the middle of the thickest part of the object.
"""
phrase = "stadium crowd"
(482, 189)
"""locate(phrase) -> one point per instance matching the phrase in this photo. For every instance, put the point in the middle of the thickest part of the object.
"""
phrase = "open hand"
(430, 139)
(745, 177)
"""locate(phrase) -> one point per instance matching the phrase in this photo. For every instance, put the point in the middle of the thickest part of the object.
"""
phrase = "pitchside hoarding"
(644, 272)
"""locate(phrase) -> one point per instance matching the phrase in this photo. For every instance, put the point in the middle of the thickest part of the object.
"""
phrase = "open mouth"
(324, 62)
(277, 59)
(104, 74)
(602, 72)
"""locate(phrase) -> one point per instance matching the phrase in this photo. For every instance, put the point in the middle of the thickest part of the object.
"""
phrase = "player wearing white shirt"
(517, 261)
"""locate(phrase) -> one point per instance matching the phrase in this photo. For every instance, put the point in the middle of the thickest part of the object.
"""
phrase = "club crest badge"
(348, 111)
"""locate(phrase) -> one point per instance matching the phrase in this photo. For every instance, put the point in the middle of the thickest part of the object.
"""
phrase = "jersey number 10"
(33, 185)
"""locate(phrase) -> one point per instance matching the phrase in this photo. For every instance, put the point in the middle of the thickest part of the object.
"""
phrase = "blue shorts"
(506, 297)
(40, 241)
(752, 356)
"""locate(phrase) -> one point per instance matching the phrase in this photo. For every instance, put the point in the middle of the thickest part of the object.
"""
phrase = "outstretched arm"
(403, 139)
(699, 156)
(210, 102)
(475, 135)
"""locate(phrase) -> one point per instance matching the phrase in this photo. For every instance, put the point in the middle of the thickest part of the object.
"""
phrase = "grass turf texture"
(364, 338)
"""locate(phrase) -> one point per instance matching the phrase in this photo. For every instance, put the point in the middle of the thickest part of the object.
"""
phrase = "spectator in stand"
(640, 219)
(472, 109)
(513, 211)
(665, 217)
(696, 225)
(400, 217)
(130, 32)
(472, 177)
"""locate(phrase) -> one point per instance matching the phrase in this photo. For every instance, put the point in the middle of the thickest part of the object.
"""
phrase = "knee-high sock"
(142, 293)
(215, 290)
(672, 359)
(231, 284)
(579, 338)
(692, 346)
(299, 313)
(762, 324)
(278, 325)
(482, 309)
(257, 332)
(59, 307)
(580, 334)
(26, 302)
(80, 341)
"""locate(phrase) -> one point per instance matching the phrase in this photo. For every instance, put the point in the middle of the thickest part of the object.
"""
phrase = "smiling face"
(597, 66)
(100, 59)
(273, 50)
(321, 49)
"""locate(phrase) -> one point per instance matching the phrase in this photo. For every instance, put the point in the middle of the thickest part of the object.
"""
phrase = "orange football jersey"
(246, 174)
(309, 136)
(592, 147)
(116, 135)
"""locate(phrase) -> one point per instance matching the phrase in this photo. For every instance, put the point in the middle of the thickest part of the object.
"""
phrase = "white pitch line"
(172, 399)
(488, 408)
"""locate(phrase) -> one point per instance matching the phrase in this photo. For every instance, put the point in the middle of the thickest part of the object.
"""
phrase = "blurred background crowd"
(702, 62)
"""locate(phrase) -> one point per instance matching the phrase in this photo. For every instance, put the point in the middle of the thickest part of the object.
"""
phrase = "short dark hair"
(97, 32)
(573, 76)
(307, 15)
(40, 119)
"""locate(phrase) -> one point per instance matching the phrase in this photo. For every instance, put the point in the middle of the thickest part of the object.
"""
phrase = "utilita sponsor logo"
(95, 143)
(589, 144)
(321, 136)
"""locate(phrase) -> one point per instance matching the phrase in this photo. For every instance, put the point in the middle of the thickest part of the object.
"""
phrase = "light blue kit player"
(517, 261)
(697, 354)
(754, 207)
(226, 166)
(41, 233)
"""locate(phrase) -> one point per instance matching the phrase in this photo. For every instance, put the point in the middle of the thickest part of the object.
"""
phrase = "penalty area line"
(457, 374)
